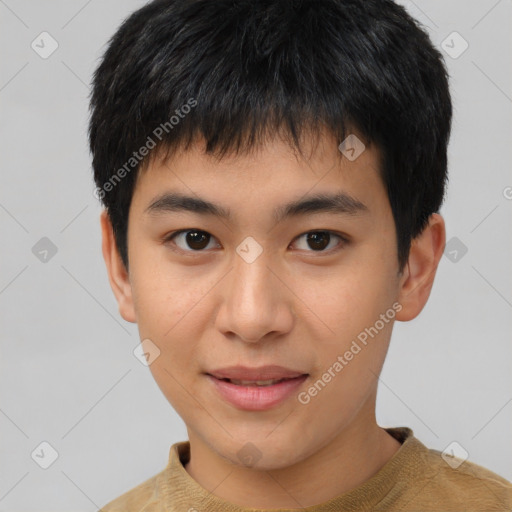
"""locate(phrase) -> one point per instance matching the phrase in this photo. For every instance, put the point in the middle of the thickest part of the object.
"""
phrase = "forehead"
(272, 174)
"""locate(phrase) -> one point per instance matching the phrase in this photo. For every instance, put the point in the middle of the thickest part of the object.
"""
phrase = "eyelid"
(343, 240)
(169, 239)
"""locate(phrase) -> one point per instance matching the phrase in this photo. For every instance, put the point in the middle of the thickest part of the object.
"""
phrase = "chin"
(264, 454)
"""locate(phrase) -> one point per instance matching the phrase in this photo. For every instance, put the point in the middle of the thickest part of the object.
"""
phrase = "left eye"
(319, 241)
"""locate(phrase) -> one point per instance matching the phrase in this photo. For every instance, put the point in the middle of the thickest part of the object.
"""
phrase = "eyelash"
(169, 239)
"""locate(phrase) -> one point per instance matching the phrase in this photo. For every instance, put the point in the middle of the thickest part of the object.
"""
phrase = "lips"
(257, 395)
(268, 382)
(256, 389)
(261, 376)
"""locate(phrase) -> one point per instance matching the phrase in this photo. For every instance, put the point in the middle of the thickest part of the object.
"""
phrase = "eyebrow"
(340, 203)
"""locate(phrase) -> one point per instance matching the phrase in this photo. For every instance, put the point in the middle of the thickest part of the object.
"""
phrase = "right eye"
(190, 240)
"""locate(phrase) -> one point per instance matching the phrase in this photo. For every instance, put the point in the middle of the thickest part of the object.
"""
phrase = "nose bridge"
(252, 289)
(254, 304)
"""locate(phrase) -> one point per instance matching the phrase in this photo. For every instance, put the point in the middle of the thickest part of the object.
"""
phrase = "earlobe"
(419, 273)
(117, 273)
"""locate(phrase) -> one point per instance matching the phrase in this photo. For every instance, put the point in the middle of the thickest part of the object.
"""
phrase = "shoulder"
(425, 479)
(157, 492)
(145, 497)
(460, 482)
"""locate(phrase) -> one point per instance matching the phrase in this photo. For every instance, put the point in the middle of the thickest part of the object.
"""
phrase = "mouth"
(256, 394)
(259, 383)
(262, 374)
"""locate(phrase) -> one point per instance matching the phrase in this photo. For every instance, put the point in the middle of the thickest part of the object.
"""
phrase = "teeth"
(255, 382)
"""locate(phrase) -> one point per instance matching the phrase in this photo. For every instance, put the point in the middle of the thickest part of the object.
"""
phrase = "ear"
(419, 272)
(117, 273)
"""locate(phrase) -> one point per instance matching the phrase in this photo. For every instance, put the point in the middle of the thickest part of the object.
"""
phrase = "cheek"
(162, 293)
(349, 305)
(340, 304)
(171, 311)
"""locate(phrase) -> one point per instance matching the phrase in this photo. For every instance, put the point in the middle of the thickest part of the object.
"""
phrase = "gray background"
(68, 373)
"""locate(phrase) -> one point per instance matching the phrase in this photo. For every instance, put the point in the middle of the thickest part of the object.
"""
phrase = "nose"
(255, 302)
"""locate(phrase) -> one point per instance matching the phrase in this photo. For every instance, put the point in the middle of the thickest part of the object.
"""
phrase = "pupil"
(197, 239)
(318, 240)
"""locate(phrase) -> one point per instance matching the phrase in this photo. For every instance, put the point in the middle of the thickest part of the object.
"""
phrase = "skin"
(292, 306)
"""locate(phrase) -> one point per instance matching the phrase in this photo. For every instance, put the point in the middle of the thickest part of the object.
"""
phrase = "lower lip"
(257, 398)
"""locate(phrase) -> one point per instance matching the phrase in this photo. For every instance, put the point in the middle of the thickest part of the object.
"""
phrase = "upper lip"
(270, 372)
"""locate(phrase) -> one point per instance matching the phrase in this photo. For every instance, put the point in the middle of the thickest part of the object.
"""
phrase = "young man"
(271, 173)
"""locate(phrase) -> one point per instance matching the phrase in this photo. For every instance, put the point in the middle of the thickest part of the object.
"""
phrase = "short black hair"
(233, 72)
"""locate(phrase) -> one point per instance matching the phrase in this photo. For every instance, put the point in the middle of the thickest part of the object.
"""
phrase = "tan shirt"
(415, 479)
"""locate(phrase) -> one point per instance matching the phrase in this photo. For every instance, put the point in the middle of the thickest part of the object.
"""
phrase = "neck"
(350, 459)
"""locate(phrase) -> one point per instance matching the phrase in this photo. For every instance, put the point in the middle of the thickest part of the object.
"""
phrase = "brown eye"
(319, 241)
(197, 239)
(191, 240)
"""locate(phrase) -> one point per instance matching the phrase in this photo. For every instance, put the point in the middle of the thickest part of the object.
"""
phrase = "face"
(292, 263)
